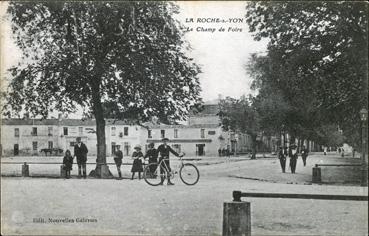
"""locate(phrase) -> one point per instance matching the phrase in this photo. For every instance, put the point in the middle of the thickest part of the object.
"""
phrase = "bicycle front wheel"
(189, 174)
(152, 174)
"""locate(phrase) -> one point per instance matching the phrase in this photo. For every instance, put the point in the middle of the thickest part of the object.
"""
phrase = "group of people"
(152, 154)
(292, 153)
(80, 152)
(224, 152)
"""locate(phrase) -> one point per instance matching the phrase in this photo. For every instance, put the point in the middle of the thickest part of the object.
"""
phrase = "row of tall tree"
(312, 81)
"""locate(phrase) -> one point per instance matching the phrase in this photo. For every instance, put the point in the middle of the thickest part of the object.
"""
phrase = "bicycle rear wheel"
(189, 174)
(152, 174)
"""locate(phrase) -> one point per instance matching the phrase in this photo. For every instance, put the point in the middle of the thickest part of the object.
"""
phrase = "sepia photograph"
(232, 118)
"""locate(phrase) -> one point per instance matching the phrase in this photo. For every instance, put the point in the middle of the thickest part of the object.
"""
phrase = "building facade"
(32, 136)
(194, 140)
(201, 136)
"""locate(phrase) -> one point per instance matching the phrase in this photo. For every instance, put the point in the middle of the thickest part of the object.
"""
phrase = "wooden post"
(236, 219)
(317, 175)
(63, 172)
(25, 170)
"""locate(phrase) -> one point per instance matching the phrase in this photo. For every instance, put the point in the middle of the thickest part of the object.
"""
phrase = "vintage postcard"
(184, 117)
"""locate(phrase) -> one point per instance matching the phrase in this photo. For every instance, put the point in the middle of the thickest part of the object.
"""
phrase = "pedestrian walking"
(152, 155)
(118, 159)
(293, 158)
(163, 151)
(304, 154)
(80, 151)
(325, 151)
(137, 157)
(343, 153)
(67, 163)
(220, 152)
(282, 159)
(339, 150)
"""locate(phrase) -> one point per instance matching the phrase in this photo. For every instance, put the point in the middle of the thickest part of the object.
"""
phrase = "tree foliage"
(317, 60)
(240, 115)
(129, 55)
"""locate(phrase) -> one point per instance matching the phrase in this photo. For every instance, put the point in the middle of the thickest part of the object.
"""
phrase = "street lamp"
(364, 168)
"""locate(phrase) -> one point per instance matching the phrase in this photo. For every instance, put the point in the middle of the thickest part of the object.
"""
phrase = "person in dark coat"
(293, 158)
(152, 155)
(282, 159)
(137, 157)
(163, 151)
(304, 154)
(68, 163)
(118, 158)
(80, 151)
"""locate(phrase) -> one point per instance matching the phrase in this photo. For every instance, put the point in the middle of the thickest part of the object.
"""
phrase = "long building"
(201, 136)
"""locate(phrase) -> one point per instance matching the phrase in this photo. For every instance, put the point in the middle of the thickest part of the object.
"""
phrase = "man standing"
(80, 151)
(282, 159)
(152, 155)
(293, 157)
(163, 151)
(118, 159)
(304, 154)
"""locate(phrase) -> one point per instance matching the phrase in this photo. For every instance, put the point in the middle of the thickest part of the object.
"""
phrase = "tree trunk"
(302, 143)
(101, 170)
(298, 145)
(292, 139)
(253, 146)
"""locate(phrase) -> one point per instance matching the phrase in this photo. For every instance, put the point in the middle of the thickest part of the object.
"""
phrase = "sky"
(222, 56)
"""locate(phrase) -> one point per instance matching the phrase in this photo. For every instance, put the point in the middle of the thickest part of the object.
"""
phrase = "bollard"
(236, 217)
(63, 172)
(25, 170)
(317, 175)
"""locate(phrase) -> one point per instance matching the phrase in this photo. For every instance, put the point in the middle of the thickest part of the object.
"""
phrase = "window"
(80, 131)
(113, 130)
(34, 131)
(175, 133)
(149, 133)
(211, 132)
(16, 132)
(125, 131)
(34, 146)
(65, 130)
(50, 131)
(51, 144)
(72, 144)
(202, 132)
(177, 147)
(162, 133)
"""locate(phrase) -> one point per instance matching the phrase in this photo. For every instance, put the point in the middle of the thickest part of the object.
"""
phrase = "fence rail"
(338, 165)
(238, 194)
(237, 214)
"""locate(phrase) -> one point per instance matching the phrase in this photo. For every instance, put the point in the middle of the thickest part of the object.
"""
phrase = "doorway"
(113, 145)
(200, 149)
(16, 149)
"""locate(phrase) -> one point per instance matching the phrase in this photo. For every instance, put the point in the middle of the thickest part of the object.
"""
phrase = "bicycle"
(188, 173)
